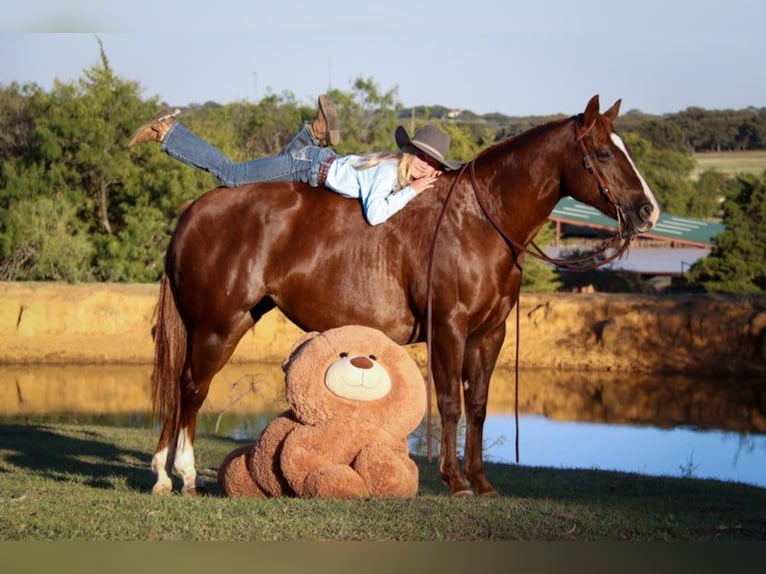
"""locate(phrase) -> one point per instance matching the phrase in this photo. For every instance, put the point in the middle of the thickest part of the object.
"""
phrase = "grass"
(731, 163)
(68, 482)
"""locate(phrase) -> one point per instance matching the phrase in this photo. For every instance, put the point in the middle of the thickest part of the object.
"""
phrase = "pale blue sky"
(541, 57)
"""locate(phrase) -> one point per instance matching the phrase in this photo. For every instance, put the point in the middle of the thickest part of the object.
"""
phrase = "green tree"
(69, 147)
(17, 125)
(41, 234)
(737, 263)
(709, 191)
(667, 172)
(665, 136)
(369, 117)
(43, 240)
(539, 276)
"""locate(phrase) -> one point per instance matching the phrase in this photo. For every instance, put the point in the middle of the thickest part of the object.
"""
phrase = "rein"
(588, 262)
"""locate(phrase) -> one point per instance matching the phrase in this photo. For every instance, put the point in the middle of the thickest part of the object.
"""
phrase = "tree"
(737, 263)
(369, 117)
(116, 205)
(709, 191)
(663, 135)
(17, 125)
(667, 172)
(539, 276)
(44, 241)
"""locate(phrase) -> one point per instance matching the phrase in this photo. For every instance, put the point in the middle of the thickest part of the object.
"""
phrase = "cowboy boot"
(326, 126)
(155, 130)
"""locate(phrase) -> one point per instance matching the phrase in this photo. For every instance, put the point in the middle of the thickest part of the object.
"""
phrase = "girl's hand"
(426, 182)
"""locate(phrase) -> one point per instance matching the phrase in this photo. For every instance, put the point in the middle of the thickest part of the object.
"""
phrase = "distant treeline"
(692, 130)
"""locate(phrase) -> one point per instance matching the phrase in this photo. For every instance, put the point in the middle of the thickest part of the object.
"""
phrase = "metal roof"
(669, 227)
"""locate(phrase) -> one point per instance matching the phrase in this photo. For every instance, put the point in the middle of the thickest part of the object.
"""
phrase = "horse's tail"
(169, 356)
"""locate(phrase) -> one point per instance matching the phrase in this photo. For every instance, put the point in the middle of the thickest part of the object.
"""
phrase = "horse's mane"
(522, 138)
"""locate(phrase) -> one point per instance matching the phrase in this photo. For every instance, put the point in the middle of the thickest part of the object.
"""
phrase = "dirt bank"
(100, 323)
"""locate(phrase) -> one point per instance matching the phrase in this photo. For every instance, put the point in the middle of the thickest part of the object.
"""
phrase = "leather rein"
(620, 241)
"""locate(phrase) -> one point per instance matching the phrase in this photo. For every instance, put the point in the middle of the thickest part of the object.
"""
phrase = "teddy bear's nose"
(362, 362)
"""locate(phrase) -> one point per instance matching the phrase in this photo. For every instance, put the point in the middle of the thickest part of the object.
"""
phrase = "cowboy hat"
(430, 140)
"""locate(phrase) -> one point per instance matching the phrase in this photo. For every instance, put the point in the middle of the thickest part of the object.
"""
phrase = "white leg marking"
(163, 485)
(184, 463)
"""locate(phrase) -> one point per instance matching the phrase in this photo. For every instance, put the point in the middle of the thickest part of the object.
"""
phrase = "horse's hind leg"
(175, 451)
(163, 484)
(208, 353)
(194, 389)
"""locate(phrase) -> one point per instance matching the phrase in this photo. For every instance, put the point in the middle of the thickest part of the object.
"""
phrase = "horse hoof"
(489, 494)
(193, 492)
(461, 493)
(162, 490)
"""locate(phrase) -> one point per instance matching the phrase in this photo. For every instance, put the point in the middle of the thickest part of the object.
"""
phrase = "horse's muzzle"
(645, 218)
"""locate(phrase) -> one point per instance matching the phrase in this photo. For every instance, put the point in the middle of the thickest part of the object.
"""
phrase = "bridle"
(619, 242)
(587, 163)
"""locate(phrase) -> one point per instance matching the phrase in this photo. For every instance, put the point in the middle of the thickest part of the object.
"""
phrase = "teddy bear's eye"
(343, 355)
(373, 357)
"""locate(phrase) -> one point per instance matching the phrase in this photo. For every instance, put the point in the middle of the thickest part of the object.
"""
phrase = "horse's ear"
(614, 111)
(591, 113)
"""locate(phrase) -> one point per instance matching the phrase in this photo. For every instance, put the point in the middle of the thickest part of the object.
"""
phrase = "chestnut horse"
(238, 253)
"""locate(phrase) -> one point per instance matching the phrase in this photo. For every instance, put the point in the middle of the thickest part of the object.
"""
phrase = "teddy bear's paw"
(335, 481)
(386, 471)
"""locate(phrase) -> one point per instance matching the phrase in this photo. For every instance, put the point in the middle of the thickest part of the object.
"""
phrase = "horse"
(237, 253)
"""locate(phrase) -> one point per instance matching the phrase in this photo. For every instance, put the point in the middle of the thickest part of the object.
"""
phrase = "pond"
(646, 423)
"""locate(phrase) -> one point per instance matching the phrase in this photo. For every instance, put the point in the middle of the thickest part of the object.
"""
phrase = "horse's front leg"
(479, 363)
(446, 365)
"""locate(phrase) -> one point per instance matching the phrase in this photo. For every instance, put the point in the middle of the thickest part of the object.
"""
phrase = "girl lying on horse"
(383, 182)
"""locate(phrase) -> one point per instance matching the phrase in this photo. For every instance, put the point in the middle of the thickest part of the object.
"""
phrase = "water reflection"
(653, 424)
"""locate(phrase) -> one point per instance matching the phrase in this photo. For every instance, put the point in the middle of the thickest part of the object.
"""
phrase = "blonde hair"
(403, 176)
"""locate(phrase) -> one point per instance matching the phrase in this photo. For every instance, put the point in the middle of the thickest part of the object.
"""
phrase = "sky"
(539, 58)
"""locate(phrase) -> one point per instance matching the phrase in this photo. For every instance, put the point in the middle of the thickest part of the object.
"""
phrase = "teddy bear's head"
(354, 373)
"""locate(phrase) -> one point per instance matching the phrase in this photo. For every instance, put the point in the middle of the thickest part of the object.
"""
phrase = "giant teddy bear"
(354, 396)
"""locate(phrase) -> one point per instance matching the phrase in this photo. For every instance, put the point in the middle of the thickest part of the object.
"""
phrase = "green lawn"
(731, 162)
(82, 482)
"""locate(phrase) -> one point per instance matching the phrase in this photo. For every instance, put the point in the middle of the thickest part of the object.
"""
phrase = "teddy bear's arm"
(314, 471)
(263, 462)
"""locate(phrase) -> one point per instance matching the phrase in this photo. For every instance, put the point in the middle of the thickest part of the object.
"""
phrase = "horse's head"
(605, 175)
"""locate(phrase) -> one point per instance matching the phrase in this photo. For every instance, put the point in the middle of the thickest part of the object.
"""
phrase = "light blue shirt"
(373, 186)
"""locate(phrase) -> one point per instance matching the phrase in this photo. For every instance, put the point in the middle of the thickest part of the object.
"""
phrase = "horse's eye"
(604, 155)
(343, 355)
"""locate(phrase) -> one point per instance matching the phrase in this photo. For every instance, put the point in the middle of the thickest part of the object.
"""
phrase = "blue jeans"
(298, 161)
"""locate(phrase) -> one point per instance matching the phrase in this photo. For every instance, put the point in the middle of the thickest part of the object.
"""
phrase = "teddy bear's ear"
(297, 348)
